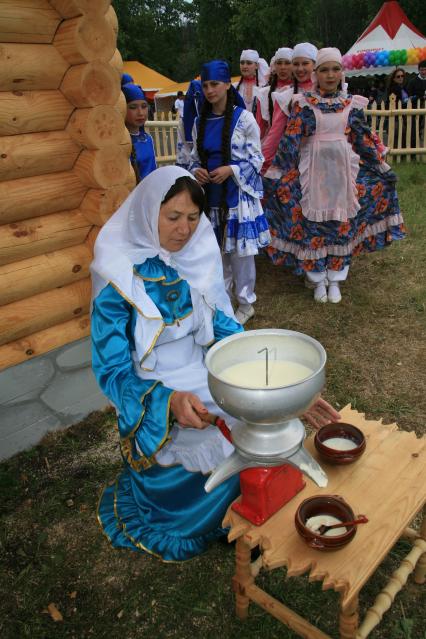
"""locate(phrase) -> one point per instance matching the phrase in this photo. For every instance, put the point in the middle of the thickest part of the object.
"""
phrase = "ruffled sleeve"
(142, 405)
(246, 155)
(367, 145)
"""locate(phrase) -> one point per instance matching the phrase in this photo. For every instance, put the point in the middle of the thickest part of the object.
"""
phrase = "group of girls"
(290, 167)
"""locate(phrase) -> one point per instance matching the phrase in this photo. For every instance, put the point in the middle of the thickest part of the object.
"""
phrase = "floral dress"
(318, 245)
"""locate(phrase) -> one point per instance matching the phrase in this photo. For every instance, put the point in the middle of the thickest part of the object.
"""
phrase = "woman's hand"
(202, 176)
(187, 407)
(320, 414)
(220, 174)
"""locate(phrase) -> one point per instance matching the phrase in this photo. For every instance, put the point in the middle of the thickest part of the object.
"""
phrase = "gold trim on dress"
(149, 279)
(179, 279)
(133, 304)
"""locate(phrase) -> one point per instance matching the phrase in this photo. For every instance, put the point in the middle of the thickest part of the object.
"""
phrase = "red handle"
(224, 429)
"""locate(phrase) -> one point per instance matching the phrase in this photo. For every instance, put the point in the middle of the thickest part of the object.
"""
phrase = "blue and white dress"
(246, 226)
(158, 504)
(143, 145)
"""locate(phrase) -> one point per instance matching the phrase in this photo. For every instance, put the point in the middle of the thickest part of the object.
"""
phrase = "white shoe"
(312, 285)
(320, 293)
(243, 313)
(334, 294)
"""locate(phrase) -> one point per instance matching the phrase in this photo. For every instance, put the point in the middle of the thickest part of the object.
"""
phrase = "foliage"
(175, 36)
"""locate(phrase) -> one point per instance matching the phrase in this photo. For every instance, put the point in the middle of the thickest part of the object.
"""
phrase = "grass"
(52, 550)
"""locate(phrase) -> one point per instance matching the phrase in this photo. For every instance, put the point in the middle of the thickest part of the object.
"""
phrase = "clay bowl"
(344, 431)
(324, 505)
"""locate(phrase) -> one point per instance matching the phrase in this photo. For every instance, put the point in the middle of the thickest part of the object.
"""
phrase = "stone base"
(47, 393)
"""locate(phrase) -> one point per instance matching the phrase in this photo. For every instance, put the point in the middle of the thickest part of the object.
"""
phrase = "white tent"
(390, 30)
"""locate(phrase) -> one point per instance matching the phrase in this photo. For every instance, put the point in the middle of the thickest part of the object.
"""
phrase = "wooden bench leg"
(420, 570)
(243, 578)
(348, 621)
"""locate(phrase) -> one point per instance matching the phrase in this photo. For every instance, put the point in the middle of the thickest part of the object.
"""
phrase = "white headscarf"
(249, 54)
(284, 53)
(305, 50)
(131, 236)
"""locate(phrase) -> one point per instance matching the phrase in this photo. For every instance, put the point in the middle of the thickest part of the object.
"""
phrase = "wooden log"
(73, 8)
(87, 85)
(43, 341)
(131, 179)
(99, 204)
(33, 111)
(30, 66)
(96, 127)
(36, 154)
(91, 238)
(28, 238)
(102, 168)
(126, 142)
(31, 197)
(43, 273)
(111, 17)
(27, 21)
(121, 105)
(117, 61)
(36, 313)
(84, 39)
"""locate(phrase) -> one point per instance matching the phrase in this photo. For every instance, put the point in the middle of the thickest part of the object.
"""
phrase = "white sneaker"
(243, 313)
(334, 294)
(320, 293)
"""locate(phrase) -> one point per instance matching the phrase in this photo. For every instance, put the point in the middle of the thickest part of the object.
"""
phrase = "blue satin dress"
(162, 510)
(145, 153)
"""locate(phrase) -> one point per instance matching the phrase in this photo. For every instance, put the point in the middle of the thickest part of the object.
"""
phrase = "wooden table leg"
(348, 620)
(420, 570)
(242, 578)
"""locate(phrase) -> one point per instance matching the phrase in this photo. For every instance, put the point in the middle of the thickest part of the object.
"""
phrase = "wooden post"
(33, 111)
(46, 272)
(36, 154)
(97, 127)
(40, 342)
(391, 125)
(84, 39)
(87, 85)
(30, 66)
(38, 235)
(34, 21)
(243, 578)
(420, 571)
(73, 8)
(408, 129)
(99, 204)
(32, 196)
(44, 310)
(348, 620)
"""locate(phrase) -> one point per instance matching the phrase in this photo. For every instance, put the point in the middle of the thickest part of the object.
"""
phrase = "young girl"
(142, 156)
(280, 79)
(226, 160)
(303, 62)
(254, 71)
(334, 199)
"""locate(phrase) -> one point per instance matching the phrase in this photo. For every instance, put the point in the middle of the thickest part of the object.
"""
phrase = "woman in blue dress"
(159, 301)
(142, 155)
(226, 160)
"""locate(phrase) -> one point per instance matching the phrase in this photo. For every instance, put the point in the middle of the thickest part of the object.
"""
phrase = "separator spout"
(302, 460)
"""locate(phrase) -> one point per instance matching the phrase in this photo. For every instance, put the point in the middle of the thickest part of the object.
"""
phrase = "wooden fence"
(403, 130)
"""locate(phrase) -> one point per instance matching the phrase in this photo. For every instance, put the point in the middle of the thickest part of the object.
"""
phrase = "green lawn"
(52, 550)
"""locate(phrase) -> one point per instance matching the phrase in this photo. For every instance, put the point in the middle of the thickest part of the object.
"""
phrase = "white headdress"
(284, 53)
(131, 236)
(305, 50)
(249, 54)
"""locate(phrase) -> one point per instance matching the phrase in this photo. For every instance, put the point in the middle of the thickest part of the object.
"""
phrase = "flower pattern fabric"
(305, 245)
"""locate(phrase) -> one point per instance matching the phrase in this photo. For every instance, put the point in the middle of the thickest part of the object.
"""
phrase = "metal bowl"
(266, 406)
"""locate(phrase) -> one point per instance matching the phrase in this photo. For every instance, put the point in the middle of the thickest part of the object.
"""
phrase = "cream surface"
(253, 374)
(340, 443)
(313, 523)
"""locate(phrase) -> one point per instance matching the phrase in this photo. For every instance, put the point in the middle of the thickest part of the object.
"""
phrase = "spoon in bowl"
(321, 530)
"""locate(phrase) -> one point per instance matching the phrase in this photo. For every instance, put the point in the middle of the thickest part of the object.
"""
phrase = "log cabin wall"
(64, 169)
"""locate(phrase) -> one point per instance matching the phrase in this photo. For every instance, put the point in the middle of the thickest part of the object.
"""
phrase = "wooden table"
(388, 485)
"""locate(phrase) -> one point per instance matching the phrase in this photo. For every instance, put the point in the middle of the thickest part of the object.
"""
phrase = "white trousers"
(332, 276)
(240, 277)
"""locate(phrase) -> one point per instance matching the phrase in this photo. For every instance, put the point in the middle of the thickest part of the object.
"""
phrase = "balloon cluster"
(395, 58)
